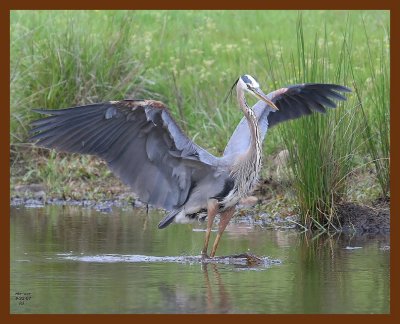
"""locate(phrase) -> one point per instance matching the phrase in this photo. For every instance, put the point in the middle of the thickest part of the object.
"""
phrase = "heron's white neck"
(248, 165)
(255, 141)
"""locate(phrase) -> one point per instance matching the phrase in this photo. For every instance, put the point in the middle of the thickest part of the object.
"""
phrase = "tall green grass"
(373, 95)
(58, 60)
(322, 148)
(188, 59)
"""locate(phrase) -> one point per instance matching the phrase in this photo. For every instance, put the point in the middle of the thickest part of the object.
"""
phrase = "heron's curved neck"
(247, 166)
(251, 120)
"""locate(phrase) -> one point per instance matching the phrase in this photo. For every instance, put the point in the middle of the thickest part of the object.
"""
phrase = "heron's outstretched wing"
(138, 139)
(303, 99)
(293, 102)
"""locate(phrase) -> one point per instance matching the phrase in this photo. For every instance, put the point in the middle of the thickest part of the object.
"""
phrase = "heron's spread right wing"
(293, 102)
(140, 141)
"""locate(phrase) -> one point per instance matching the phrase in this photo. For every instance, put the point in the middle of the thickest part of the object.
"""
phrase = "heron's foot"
(204, 255)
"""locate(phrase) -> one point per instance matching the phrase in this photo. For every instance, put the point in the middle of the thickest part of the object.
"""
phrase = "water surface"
(73, 259)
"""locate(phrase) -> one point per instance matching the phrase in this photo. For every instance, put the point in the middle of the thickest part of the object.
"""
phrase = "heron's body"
(229, 185)
(144, 146)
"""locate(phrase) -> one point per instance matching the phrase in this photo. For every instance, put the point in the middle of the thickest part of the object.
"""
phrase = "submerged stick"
(250, 259)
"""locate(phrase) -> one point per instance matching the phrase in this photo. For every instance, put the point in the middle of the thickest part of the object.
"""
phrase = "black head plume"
(229, 94)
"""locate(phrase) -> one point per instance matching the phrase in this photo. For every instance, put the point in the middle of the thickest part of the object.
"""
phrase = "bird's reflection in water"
(217, 297)
(211, 297)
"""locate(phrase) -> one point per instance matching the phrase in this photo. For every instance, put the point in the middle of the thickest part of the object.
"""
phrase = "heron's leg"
(225, 218)
(212, 210)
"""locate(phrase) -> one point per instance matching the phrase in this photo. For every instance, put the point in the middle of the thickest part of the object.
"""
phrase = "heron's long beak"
(262, 96)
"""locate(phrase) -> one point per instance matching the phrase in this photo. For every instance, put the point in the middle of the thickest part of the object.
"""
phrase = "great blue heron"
(144, 146)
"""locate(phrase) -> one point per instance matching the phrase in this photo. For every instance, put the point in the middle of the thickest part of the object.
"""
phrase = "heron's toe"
(204, 255)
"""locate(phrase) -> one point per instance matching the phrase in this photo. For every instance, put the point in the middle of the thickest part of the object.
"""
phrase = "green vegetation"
(374, 101)
(189, 60)
(321, 148)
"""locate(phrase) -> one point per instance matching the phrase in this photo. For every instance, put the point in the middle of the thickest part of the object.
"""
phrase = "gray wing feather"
(139, 140)
(293, 102)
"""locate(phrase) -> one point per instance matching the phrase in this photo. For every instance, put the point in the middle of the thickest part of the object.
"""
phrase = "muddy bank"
(373, 219)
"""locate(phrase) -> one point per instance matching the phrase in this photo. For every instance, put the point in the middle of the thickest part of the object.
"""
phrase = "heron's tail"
(169, 218)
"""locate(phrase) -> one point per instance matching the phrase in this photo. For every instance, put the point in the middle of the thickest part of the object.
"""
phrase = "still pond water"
(78, 260)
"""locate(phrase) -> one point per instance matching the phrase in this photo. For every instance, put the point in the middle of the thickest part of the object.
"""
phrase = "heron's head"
(249, 84)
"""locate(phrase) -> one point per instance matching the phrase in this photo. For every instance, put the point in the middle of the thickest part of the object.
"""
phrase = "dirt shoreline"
(353, 219)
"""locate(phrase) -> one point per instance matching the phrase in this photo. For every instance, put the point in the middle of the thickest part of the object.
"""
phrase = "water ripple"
(117, 258)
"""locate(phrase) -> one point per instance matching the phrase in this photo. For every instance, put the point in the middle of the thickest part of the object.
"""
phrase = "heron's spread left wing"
(138, 139)
(304, 99)
(293, 102)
